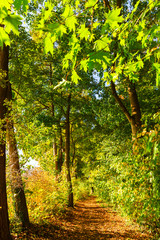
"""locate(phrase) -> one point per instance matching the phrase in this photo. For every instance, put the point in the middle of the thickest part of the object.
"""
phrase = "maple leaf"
(84, 32)
(48, 44)
(90, 3)
(19, 3)
(4, 38)
(75, 78)
(113, 18)
(12, 22)
(71, 22)
(6, 4)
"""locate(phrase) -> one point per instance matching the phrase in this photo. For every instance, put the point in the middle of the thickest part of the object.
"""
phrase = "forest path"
(87, 221)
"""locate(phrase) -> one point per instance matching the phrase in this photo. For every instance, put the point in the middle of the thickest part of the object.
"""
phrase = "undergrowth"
(46, 198)
(131, 183)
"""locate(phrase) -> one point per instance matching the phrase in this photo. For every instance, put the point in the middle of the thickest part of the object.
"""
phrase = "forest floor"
(89, 220)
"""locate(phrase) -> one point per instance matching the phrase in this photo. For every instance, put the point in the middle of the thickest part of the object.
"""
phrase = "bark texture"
(67, 153)
(134, 117)
(17, 188)
(55, 157)
(60, 154)
(4, 221)
(135, 110)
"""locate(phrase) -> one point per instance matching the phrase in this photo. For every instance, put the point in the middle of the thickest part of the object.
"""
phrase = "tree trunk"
(135, 110)
(17, 188)
(67, 153)
(55, 157)
(136, 114)
(4, 221)
(74, 152)
(60, 156)
(61, 147)
(135, 117)
(16, 179)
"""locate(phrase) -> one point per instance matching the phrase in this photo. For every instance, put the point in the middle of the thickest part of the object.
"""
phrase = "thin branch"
(106, 4)
(45, 107)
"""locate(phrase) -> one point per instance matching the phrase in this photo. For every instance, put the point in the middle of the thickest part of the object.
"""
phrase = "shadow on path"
(87, 221)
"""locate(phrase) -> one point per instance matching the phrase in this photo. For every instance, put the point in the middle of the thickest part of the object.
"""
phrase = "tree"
(15, 172)
(135, 117)
(4, 221)
(67, 153)
(105, 48)
(8, 22)
(47, 96)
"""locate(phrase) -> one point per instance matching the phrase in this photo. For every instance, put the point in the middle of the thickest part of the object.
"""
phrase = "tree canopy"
(84, 78)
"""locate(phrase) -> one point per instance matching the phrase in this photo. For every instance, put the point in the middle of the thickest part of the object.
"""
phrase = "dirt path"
(87, 221)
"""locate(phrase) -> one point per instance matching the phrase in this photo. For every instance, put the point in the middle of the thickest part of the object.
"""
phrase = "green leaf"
(140, 63)
(102, 44)
(84, 32)
(99, 60)
(73, 40)
(4, 37)
(134, 10)
(151, 4)
(65, 63)
(12, 22)
(75, 78)
(158, 55)
(122, 42)
(95, 25)
(19, 3)
(48, 44)
(6, 3)
(157, 67)
(140, 35)
(61, 30)
(103, 56)
(106, 76)
(48, 12)
(84, 64)
(77, 3)
(114, 76)
(71, 22)
(3, 14)
(113, 18)
(90, 3)
(57, 29)
(69, 56)
(67, 12)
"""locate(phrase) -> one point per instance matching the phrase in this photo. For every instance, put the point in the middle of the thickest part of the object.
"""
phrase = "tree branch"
(106, 4)
(118, 100)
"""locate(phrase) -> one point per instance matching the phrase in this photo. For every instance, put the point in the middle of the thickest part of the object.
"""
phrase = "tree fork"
(118, 100)
(135, 117)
